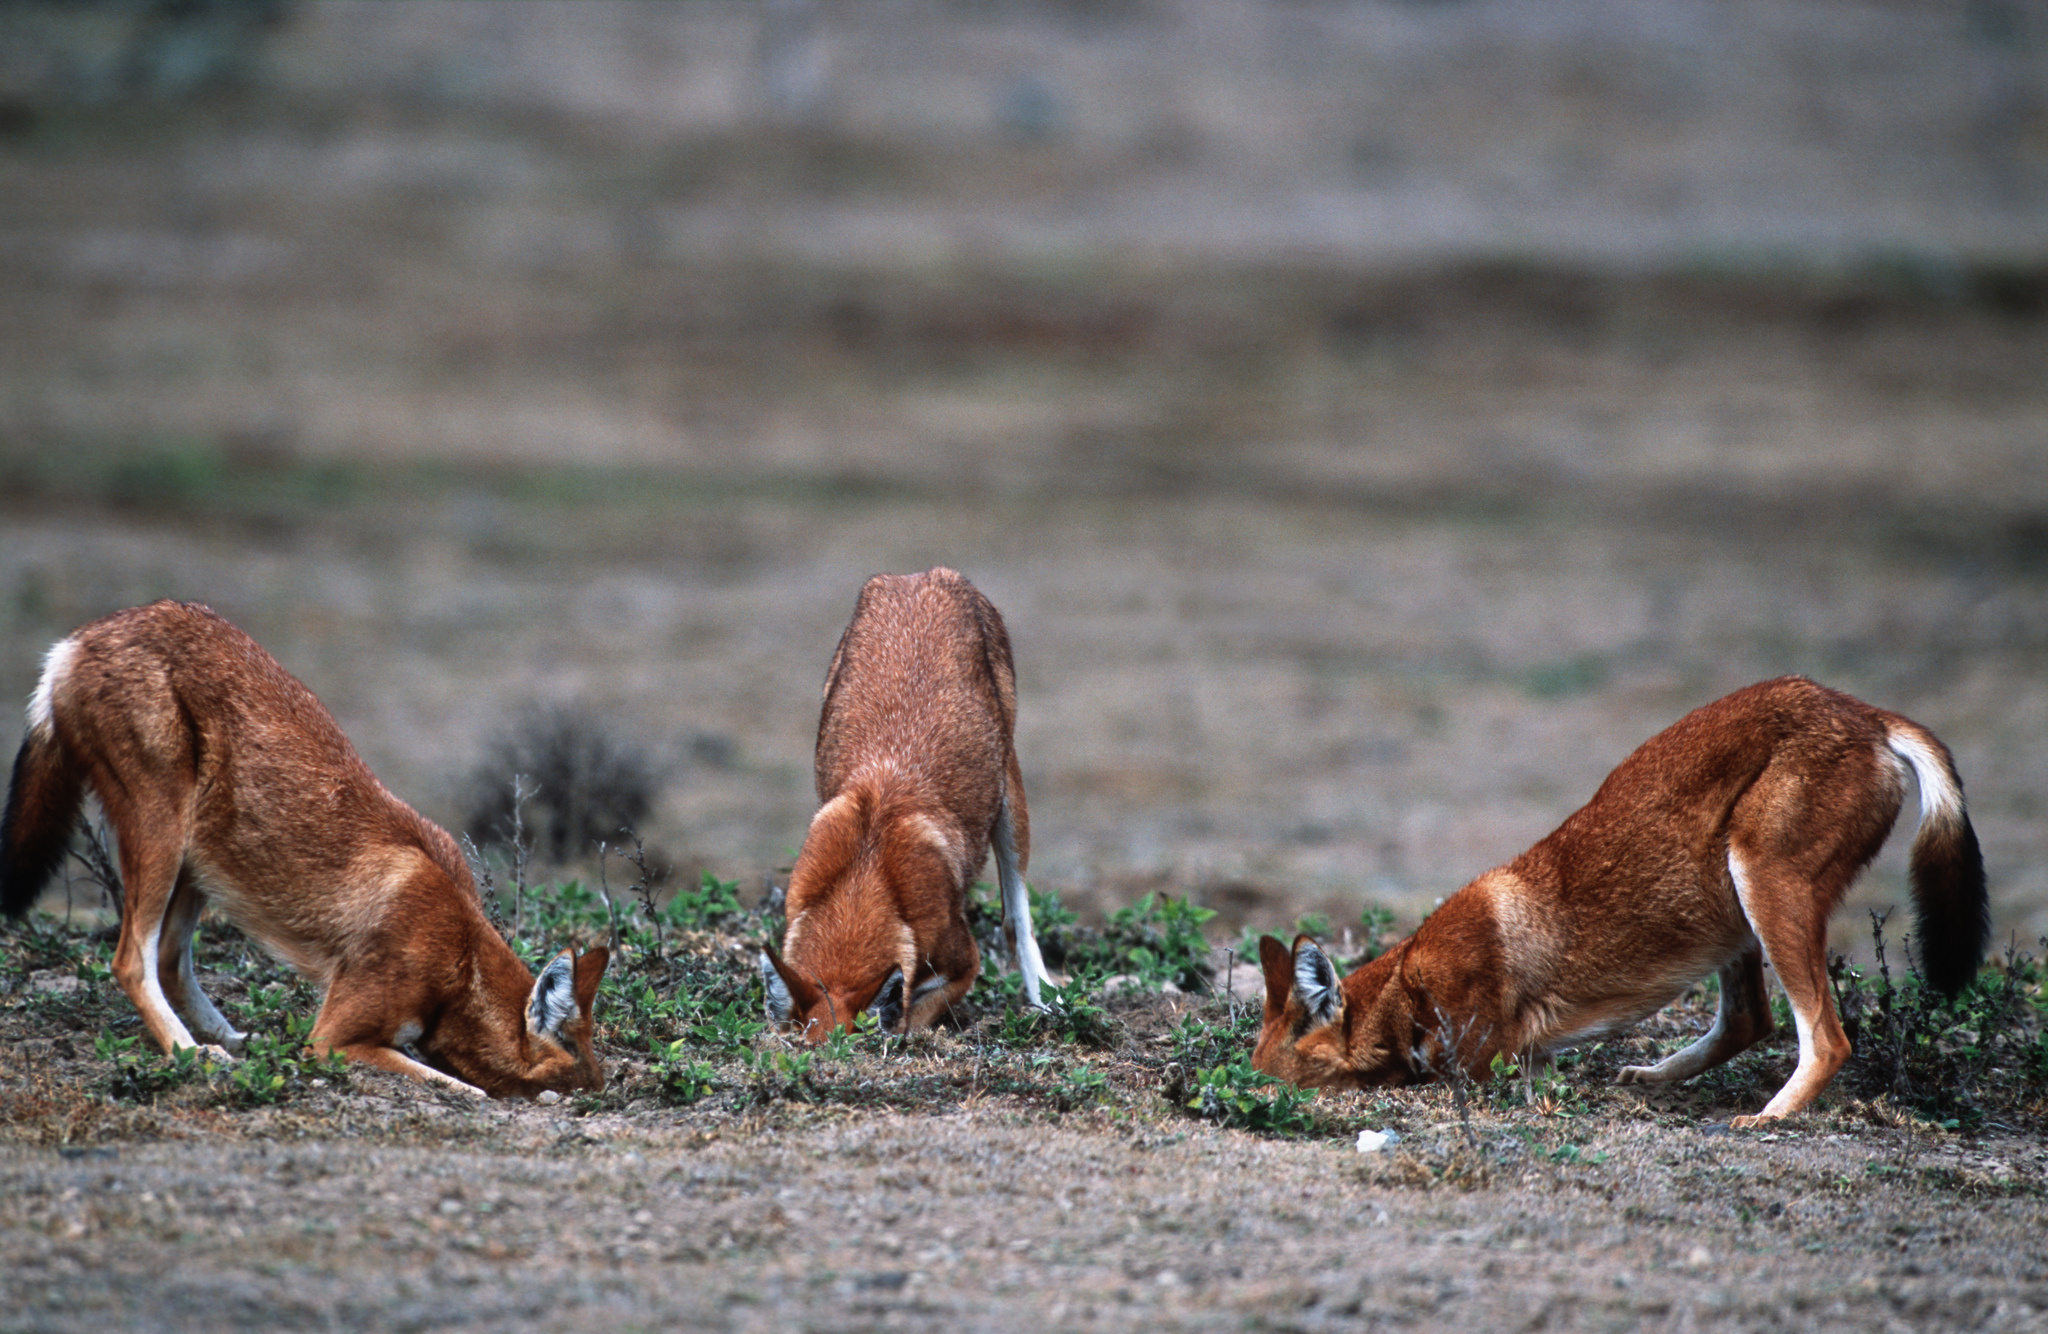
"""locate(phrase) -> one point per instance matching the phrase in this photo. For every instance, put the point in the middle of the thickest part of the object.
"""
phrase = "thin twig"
(522, 851)
(643, 889)
(604, 892)
(97, 858)
(486, 884)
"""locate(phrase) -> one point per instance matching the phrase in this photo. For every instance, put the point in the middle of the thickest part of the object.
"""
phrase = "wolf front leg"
(356, 1026)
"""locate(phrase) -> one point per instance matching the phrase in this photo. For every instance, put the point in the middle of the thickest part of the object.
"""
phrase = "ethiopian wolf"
(226, 781)
(917, 772)
(1724, 842)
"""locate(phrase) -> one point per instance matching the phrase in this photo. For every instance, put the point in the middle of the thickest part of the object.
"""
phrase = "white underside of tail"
(1939, 795)
(1017, 909)
(56, 666)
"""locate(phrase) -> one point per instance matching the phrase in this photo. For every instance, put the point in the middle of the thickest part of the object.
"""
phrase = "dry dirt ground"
(953, 1184)
(987, 1220)
(1373, 421)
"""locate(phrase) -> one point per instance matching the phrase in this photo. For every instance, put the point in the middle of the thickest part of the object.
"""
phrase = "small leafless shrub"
(99, 866)
(583, 785)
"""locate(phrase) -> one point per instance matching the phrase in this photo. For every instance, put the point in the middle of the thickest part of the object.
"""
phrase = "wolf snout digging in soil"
(917, 772)
(224, 779)
(1723, 841)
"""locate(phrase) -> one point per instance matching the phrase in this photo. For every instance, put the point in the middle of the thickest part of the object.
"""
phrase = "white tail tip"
(56, 666)
(1939, 795)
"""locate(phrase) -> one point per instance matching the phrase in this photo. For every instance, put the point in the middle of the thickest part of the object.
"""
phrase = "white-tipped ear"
(780, 1007)
(554, 997)
(1315, 981)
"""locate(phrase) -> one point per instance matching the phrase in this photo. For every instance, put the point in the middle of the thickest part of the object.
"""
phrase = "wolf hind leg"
(175, 971)
(1742, 1019)
(152, 856)
(1789, 915)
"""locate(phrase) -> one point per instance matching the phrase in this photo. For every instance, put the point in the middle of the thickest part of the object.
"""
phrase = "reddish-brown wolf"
(917, 773)
(1724, 842)
(226, 781)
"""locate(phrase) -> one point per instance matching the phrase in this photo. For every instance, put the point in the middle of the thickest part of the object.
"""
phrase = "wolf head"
(1323, 1032)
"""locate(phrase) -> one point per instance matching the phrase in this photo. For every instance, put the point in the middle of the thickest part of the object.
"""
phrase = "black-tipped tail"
(1951, 910)
(42, 809)
(1950, 903)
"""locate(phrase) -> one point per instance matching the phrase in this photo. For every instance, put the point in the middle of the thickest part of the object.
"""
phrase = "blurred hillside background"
(1374, 419)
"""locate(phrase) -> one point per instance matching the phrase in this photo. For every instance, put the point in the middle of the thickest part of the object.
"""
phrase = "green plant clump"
(276, 1067)
(1073, 1015)
(1233, 1094)
(682, 1079)
(140, 1075)
(712, 903)
(1198, 1044)
(1158, 939)
(1943, 1058)
(1082, 1086)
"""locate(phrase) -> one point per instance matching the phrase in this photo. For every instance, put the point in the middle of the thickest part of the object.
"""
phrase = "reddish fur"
(1631, 900)
(915, 736)
(224, 779)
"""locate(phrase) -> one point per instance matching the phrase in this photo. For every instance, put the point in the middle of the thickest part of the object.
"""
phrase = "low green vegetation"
(137, 1073)
(681, 1027)
(1232, 1093)
(276, 1067)
(1158, 940)
(1955, 1063)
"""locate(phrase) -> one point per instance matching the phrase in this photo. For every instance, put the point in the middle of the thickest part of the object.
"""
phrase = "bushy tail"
(42, 809)
(1950, 907)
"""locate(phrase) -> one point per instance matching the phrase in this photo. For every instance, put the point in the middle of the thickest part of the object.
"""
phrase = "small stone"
(548, 1098)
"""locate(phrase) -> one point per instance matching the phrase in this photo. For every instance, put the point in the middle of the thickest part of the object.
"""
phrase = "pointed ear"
(887, 1006)
(1315, 981)
(788, 992)
(589, 972)
(1278, 967)
(553, 1001)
